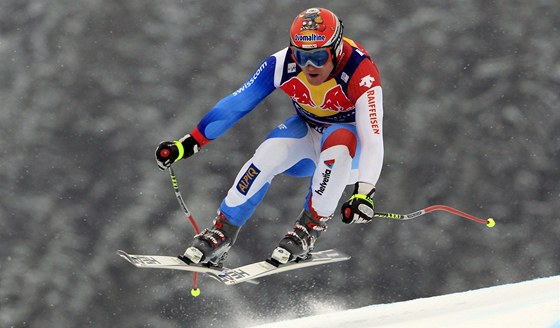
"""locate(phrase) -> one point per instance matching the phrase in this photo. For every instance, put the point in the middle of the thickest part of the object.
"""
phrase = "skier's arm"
(233, 107)
(369, 123)
(367, 92)
(369, 118)
(223, 116)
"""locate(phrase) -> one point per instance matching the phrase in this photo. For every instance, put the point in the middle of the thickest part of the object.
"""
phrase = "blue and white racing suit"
(335, 136)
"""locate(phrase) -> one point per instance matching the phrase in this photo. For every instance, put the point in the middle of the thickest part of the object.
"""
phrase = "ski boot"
(297, 244)
(210, 247)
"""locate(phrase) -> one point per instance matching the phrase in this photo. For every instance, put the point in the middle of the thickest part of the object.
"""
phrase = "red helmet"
(317, 28)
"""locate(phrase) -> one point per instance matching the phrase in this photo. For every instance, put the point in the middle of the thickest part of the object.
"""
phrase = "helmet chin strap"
(335, 58)
(339, 43)
(335, 64)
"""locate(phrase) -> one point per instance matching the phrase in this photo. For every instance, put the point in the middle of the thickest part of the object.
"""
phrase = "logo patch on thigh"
(326, 176)
(247, 179)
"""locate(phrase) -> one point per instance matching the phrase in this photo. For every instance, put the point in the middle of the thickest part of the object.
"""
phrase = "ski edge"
(239, 274)
(233, 276)
(173, 263)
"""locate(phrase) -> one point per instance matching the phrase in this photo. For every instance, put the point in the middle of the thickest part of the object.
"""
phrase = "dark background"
(89, 88)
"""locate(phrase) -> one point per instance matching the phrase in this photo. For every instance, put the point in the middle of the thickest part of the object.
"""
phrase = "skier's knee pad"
(340, 135)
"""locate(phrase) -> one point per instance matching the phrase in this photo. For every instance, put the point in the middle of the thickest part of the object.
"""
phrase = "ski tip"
(122, 253)
(490, 223)
(125, 256)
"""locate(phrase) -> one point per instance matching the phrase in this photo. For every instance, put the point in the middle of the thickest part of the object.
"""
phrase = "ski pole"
(489, 222)
(181, 201)
(195, 291)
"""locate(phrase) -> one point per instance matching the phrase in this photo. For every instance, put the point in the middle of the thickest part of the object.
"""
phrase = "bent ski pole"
(195, 291)
(489, 222)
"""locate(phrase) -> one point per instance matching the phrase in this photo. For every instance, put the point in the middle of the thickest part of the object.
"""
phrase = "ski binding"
(246, 273)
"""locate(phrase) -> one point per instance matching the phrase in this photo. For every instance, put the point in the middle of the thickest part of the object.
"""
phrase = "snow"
(528, 304)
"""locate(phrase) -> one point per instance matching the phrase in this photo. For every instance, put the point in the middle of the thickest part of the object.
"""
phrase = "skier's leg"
(335, 169)
(289, 147)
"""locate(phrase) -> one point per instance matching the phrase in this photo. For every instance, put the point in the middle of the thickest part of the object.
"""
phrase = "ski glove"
(169, 152)
(359, 208)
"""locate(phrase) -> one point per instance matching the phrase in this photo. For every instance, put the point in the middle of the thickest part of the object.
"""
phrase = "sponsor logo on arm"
(373, 111)
(252, 80)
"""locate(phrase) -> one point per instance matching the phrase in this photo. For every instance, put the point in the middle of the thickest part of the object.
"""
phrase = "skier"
(334, 137)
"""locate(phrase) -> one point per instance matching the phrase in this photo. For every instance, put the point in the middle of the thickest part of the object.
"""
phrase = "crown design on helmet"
(312, 20)
(317, 28)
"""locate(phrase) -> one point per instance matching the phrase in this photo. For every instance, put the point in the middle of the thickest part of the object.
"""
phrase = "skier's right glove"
(169, 152)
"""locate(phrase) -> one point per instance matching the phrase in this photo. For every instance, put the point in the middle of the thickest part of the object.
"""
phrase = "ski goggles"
(316, 57)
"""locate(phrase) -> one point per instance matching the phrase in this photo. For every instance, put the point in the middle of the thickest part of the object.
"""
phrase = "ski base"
(246, 273)
(172, 263)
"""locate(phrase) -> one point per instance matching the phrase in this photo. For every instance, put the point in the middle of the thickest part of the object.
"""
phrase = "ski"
(246, 273)
(172, 263)
(268, 267)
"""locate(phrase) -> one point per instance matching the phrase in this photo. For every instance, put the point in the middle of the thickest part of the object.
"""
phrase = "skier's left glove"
(359, 208)
(169, 152)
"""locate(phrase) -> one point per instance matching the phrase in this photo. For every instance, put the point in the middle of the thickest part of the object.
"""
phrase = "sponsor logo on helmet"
(309, 38)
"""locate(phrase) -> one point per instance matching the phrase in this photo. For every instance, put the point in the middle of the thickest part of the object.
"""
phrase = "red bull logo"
(298, 91)
(334, 98)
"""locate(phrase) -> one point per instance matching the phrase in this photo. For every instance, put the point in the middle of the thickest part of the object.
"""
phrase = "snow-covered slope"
(529, 304)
